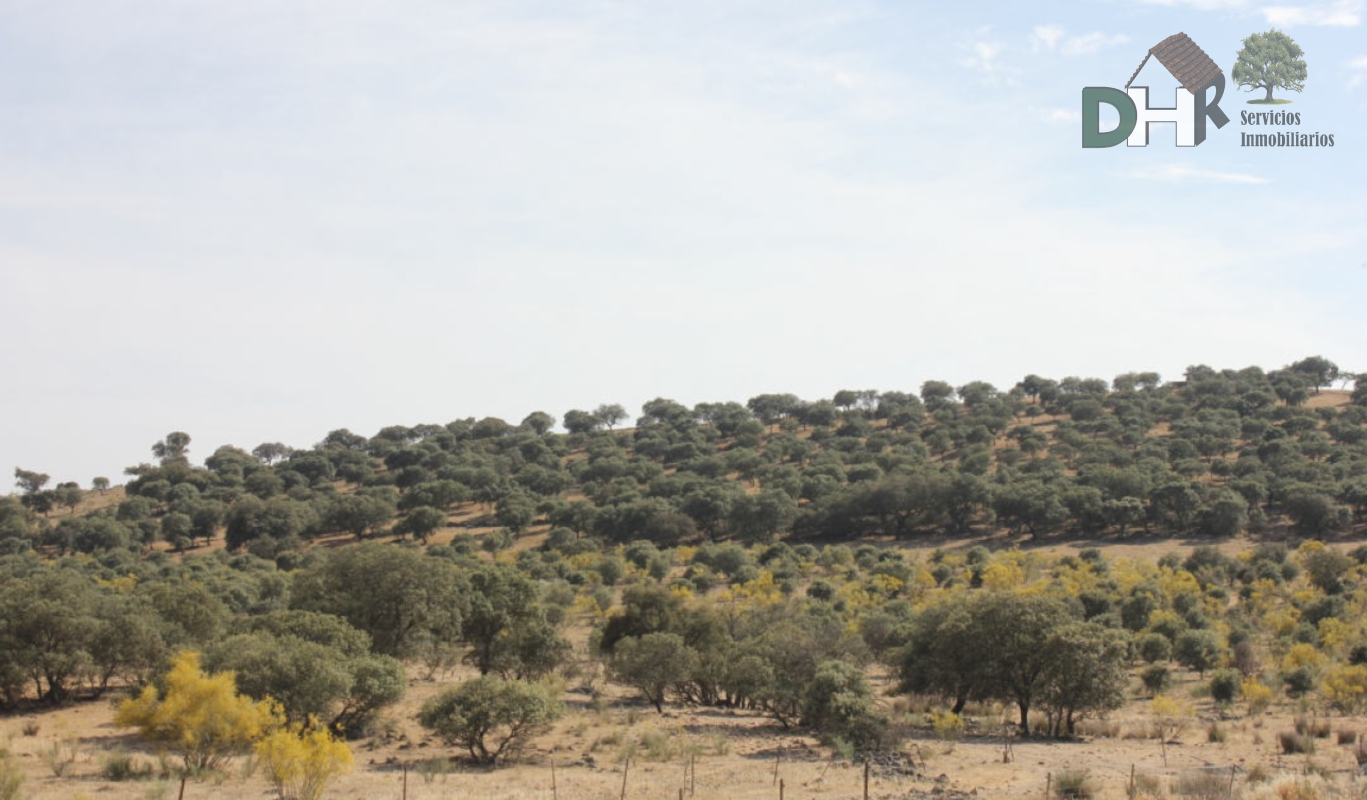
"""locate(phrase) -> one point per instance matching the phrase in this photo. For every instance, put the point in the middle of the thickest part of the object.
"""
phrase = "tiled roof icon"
(1188, 63)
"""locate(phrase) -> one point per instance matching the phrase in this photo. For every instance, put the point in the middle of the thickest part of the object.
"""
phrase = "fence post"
(405, 780)
(866, 776)
(777, 760)
(555, 789)
(692, 773)
(181, 796)
(1129, 787)
(780, 789)
(1048, 784)
(626, 767)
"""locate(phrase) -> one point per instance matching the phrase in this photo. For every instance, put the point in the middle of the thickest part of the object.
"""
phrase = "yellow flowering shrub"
(999, 577)
(1345, 687)
(1170, 715)
(1334, 634)
(1258, 695)
(1302, 655)
(300, 762)
(201, 718)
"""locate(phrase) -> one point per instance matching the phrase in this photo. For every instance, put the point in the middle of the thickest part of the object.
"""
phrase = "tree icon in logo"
(1270, 60)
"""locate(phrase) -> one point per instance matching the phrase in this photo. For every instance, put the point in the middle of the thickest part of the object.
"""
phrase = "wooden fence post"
(626, 767)
(866, 777)
(780, 790)
(405, 780)
(181, 796)
(555, 789)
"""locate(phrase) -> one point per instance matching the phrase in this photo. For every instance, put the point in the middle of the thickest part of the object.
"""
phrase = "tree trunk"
(1025, 718)
(1269, 94)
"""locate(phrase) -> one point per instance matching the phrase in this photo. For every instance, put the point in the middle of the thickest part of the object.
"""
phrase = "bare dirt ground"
(736, 755)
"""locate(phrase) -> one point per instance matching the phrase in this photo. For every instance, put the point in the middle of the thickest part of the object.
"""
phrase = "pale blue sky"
(259, 221)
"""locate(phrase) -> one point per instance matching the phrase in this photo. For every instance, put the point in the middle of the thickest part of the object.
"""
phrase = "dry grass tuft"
(1099, 728)
(1294, 743)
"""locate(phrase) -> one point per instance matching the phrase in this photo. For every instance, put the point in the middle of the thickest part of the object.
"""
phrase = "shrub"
(1145, 786)
(430, 768)
(1099, 728)
(1170, 716)
(720, 744)
(121, 766)
(947, 725)
(1299, 681)
(838, 702)
(842, 748)
(1203, 785)
(202, 718)
(1154, 647)
(1292, 787)
(60, 755)
(1074, 784)
(654, 663)
(1156, 678)
(490, 717)
(11, 778)
(1310, 726)
(1345, 687)
(497, 541)
(663, 745)
(299, 763)
(821, 590)
(1258, 695)
(1225, 685)
(1293, 743)
(1197, 649)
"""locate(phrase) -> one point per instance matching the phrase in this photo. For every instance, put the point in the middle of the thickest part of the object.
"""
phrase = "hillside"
(1113, 586)
(1215, 454)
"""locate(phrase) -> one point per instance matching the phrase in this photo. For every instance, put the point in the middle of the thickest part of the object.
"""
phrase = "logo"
(1193, 69)
(1268, 61)
(1272, 60)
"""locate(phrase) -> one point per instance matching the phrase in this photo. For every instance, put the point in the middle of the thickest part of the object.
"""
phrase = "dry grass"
(734, 751)
(1099, 728)
(1205, 785)
(1293, 743)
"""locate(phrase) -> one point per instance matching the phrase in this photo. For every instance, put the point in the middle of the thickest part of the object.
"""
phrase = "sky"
(262, 220)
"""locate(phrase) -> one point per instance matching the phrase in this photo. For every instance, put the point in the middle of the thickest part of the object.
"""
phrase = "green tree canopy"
(405, 600)
(493, 719)
(653, 663)
(1270, 60)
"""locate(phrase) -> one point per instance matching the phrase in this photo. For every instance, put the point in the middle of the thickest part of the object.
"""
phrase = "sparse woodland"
(868, 571)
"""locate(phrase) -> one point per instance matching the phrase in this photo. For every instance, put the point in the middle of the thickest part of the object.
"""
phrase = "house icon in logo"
(1191, 67)
(1186, 62)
